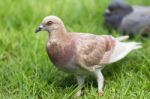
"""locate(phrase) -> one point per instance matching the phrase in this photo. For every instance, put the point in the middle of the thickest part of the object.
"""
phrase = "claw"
(101, 93)
(79, 93)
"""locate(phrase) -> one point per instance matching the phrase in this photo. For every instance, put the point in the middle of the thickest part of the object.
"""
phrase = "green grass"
(25, 69)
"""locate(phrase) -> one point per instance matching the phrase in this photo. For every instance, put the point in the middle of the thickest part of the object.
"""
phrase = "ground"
(25, 69)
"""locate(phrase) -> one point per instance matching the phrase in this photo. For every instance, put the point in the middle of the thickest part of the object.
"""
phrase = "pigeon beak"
(107, 12)
(40, 28)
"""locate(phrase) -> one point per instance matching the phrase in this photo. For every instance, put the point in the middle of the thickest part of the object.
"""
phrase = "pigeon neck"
(59, 34)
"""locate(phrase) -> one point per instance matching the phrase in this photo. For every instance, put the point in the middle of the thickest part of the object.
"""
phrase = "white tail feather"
(137, 45)
(122, 38)
(122, 49)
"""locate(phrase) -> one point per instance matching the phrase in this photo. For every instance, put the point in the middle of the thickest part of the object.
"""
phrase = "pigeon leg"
(100, 81)
(80, 80)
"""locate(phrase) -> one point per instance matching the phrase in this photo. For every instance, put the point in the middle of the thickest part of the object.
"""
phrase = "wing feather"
(94, 50)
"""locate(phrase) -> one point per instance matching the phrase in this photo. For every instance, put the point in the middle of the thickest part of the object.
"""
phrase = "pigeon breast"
(61, 53)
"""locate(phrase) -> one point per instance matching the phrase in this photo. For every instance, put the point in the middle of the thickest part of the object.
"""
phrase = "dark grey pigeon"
(128, 19)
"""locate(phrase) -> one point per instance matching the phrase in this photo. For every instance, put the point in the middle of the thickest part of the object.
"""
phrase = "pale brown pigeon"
(82, 53)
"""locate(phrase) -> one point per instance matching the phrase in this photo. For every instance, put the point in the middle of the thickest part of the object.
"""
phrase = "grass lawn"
(25, 69)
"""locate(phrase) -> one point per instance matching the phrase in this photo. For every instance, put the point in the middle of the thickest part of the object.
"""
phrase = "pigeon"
(83, 53)
(127, 19)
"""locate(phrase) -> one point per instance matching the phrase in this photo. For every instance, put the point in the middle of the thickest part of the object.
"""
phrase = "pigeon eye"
(49, 23)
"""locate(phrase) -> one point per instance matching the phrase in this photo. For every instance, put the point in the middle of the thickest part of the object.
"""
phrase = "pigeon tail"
(122, 38)
(136, 45)
(122, 49)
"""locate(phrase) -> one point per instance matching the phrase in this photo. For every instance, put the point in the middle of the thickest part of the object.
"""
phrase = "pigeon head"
(115, 12)
(50, 23)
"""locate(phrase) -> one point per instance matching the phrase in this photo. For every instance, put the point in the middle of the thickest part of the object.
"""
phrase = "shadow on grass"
(67, 81)
(109, 73)
(112, 69)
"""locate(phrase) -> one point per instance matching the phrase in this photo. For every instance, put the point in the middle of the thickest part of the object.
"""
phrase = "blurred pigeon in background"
(128, 19)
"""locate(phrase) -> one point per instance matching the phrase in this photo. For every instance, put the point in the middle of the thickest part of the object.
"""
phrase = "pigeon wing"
(94, 50)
